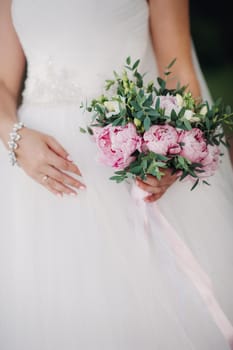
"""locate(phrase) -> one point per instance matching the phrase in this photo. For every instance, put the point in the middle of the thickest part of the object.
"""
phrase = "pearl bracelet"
(12, 143)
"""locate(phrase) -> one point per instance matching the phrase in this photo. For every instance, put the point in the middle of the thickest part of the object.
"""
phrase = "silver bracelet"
(12, 143)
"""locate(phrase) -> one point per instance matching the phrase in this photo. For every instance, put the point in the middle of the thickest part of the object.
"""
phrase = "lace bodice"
(72, 46)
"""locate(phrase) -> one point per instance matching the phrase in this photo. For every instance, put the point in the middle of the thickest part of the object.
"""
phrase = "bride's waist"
(62, 88)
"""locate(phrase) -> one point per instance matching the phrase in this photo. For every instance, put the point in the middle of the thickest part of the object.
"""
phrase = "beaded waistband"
(48, 84)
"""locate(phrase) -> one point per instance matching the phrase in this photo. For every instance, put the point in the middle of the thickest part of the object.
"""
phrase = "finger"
(56, 147)
(63, 164)
(150, 180)
(50, 189)
(64, 178)
(148, 188)
(153, 197)
(166, 179)
(170, 177)
(57, 186)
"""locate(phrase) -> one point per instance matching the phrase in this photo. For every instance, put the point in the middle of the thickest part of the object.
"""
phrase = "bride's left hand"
(155, 187)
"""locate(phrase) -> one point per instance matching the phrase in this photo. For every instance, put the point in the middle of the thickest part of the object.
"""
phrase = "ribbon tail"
(188, 264)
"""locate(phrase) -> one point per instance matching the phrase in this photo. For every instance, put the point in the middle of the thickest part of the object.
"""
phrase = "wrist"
(188, 78)
(5, 130)
(14, 138)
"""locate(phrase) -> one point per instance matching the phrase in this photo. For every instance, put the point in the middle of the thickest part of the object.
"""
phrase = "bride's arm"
(12, 65)
(38, 154)
(170, 32)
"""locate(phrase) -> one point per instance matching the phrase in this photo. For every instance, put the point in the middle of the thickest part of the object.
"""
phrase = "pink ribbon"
(189, 265)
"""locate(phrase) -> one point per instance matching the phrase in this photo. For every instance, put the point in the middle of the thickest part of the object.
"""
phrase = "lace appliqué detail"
(48, 83)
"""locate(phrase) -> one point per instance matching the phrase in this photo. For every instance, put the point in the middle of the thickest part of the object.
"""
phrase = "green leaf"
(195, 185)
(173, 115)
(82, 130)
(147, 123)
(144, 164)
(183, 176)
(187, 124)
(157, 104)
(161, 82)
(140, 114)
(181, 161)
(171, 64)
(118, 179)
(128, 60)
(161, 165)
(136, 169)
(135, 66)
(207, 123)
(117, 121)
(161, 157)
(139, 79)
(90, 131)
(108, 84)
(153, 168)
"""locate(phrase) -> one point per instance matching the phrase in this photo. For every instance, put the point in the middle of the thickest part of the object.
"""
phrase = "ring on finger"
(45, 178)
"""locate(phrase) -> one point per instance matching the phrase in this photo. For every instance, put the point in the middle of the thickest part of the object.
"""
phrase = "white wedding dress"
(104, 271)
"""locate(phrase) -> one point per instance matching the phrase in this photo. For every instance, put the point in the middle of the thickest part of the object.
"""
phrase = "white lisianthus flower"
(113, 108)
(179, 100)
(204, 110)
(190, 116)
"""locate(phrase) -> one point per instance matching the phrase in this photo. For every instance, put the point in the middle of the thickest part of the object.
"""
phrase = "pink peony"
(162, 139)
(116, 144)
(168, 103)
(210, 162)
(194, 146)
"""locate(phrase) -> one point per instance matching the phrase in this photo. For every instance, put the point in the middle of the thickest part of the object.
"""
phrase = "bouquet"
(142, 129)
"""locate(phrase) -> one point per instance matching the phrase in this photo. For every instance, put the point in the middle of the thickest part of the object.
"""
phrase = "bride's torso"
(70, 45)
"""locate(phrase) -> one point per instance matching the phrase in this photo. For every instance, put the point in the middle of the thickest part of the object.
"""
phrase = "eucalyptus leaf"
(82, 130)
(128, 60)
(147, 123)
(136, 64)
(195, 184)
(172, 63)
(187, 124)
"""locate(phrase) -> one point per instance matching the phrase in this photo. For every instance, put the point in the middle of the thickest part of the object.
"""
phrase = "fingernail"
(59, 195)
(69, 158)
(82, 187)
(73, 194)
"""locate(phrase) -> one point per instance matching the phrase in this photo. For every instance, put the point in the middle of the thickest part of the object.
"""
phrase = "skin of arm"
(12, 67)
(170, 33)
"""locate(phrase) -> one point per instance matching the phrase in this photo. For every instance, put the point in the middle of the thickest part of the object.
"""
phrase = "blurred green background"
(212, 32)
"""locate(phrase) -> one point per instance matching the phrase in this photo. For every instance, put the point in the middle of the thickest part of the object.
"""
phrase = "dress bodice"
(71, 46)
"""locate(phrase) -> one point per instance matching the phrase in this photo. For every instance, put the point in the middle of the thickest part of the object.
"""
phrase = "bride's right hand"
(47, 162)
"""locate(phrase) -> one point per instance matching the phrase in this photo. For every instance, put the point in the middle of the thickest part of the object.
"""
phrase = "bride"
(83, 264)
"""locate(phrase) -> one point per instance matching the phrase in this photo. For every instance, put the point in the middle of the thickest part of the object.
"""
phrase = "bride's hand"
(156, 187)
(45, 160)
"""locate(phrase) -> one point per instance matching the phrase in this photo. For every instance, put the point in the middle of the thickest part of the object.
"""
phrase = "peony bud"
(204, 110)
(137, 122)
(179, 100)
